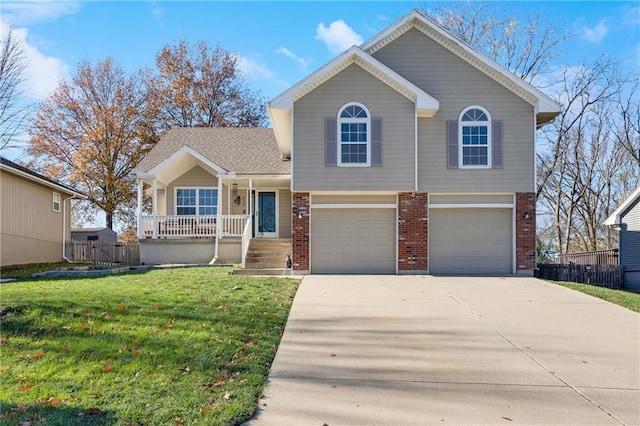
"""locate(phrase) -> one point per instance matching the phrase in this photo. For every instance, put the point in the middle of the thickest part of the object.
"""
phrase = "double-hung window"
(196, 201)
(56, 202)
(475, 137)
(354, 124)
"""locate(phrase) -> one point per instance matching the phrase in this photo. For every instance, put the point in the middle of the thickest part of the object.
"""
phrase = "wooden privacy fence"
(609, 276)
(102, 252)
(598, 257)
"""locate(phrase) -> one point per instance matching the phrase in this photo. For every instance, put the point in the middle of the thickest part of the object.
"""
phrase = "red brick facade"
(300, 230)
(525, 231)
(413, 229)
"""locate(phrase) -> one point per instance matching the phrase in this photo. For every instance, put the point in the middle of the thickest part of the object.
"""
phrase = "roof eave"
(616, 216)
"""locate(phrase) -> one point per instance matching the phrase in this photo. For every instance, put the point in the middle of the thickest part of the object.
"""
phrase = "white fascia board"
(281, 107)
(423, 100)
(544, 104)
(615, 217)
(184, 150)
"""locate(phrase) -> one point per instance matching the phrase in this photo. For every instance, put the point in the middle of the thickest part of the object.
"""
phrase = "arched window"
(475, 137)
(354, 128)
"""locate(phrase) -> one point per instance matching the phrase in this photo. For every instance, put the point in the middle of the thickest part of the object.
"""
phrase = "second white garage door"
(353, 241)
(470, 241)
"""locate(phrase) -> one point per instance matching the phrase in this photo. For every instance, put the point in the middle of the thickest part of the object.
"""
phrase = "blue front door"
(267, 215)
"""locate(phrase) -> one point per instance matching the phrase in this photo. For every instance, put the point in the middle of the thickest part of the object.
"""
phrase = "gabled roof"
(616, 216)
(227, 150)
(280, 107)
(29, 174)
(545, 106)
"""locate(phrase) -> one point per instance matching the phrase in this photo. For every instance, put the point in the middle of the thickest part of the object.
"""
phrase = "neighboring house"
(35, 216)
(626, 219)
(411, 153)
(94, 234)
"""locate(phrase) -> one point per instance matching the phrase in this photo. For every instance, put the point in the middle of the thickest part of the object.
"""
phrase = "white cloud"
(338, 36)
(253, 69)
(22, 13)
(597, 33)
(157, 12)
(43, 72)
(304, 63)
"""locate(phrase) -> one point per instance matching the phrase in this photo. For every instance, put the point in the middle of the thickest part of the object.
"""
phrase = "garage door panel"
(353, 241)
(476, 241)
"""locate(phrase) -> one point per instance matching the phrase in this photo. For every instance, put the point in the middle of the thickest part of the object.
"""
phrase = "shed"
(94, 234)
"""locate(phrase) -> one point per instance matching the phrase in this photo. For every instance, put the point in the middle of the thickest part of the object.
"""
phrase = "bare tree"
(525, 45)
(582, 172)
(13, 67)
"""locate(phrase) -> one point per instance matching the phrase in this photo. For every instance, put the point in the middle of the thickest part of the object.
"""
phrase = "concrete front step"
(267, 253)
(268, 271)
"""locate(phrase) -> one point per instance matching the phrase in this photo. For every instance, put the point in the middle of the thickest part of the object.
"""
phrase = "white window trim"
(474, 123)
(197, 206)
(56, 199)
(353, 120)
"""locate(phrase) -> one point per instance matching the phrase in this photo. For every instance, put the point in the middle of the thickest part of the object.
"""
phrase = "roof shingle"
(248, 151)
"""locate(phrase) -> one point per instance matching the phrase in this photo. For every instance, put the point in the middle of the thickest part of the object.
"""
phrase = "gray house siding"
(354, 84)
(629, 238)
(456, 85)
(197, 177)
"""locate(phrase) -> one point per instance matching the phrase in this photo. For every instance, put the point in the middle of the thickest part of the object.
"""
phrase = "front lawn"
(627, 299)
(165, 347)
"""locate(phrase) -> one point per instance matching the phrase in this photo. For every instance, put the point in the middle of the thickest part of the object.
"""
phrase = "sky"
(278, 43)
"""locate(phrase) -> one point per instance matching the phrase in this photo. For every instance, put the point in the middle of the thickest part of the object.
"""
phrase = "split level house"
(35, 216)
(411, 153)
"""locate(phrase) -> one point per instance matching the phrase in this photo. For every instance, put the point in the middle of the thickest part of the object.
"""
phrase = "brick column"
(525, 233)
(300, 231)
(413, 230)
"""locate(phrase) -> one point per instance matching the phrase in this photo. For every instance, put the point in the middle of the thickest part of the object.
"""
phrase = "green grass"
(165, 347)
(26, 271)
(627, 299)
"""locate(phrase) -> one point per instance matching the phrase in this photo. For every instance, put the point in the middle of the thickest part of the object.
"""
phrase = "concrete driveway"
(400, 350)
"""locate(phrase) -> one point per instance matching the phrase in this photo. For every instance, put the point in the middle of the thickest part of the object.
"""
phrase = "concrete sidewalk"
(369, 350)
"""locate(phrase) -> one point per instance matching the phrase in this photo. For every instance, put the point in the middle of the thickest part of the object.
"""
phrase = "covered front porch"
(190, 205)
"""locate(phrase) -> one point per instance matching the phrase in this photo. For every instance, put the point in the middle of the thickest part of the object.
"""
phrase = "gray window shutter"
(376, 141)
(496, 145)
(330, 142)
(452, 144)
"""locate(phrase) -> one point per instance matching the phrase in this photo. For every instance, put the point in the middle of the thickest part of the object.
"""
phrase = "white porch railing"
(246, 239)
(189, 226)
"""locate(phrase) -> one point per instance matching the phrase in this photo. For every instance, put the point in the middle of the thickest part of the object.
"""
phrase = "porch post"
(139, 225)
(250, 197)
(154, 191)
(218, 221)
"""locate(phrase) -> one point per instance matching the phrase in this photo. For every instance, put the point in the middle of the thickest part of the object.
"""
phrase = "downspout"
(64, 226)
(218, 222)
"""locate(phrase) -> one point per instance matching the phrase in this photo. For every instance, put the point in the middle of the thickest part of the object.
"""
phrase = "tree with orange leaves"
(203, 86)
(93, 130)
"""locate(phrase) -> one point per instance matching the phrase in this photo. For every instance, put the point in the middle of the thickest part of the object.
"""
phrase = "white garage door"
(470, 241)
(353, 241)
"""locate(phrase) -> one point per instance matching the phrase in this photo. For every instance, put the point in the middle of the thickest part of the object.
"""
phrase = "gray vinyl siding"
(354, 84)
(353, 199)
(456, 85)
(630, 238)
(284, 213)
(435, 199)
(196, 177)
